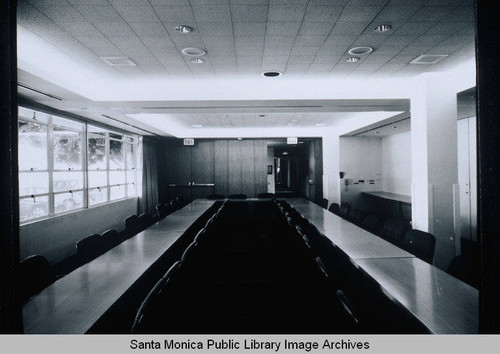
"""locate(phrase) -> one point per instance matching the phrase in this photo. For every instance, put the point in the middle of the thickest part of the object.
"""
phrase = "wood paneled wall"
(234, 166)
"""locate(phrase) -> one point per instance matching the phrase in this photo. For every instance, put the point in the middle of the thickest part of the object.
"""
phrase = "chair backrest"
(344, 210)
(356, 216)
(145, 220)
(169, 208)
(111, 238)
(394, 230)
(265, 195)
(34, 275)
(371, 223)
(216, 196)
(334, 208)
(161, 210)
(90, 247)
(420, 244)
(323, 203)
(237, 196)
(132, 225)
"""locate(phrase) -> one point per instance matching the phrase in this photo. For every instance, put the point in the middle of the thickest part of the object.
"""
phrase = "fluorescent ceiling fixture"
(428, 59)
(118, 61)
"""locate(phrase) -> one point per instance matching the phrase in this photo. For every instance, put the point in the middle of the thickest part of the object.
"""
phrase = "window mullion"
(85, 166)
(50, 164)
(108, 149)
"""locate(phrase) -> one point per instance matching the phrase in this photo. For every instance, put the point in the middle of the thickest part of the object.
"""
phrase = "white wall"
(360, 159)
(396, 163)
(55, 238)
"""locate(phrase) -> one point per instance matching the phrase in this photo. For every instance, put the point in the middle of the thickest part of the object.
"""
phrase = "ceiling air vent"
(118, 61)
(428, 59)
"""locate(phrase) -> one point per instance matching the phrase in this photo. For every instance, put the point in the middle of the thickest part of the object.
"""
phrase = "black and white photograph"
(191, 168)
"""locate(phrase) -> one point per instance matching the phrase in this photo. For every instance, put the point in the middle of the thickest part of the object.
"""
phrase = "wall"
(396, 163)
(360, 160)
(55, 238)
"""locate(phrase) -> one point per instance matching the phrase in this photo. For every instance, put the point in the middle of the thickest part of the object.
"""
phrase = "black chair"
(465, 268)
(420, 244)
(356, 216)
(334, 208)
(169, 208)
(90, 248)
(145, 221)
(111, 239)
(323, 203)
(237, 196)
(132, 226)
(216, 196)
(265, 195)
(344, 210)
(161, 211)
(34, 275)
(371, 223)
(394, 231)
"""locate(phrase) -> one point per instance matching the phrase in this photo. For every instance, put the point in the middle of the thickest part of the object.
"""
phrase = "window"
(67, 165)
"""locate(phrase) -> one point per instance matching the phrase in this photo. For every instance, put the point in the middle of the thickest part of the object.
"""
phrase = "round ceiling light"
(352, 59)
(360, 50)
(183, 29)
(382, 28)
(193, 52)
(271, 73)
(197, 61)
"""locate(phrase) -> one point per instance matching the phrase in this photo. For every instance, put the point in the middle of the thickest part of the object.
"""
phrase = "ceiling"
(303, 39)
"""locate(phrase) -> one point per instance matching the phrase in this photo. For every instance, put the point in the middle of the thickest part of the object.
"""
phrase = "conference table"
(75, 302)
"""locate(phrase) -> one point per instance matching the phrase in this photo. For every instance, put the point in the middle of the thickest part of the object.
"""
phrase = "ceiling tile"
(400, 39)
(137, 13)
(249, 13)
(279, 41)
(81, 28)
(447, 27)
(315, 29)
(430, 39)
(158, 42)
(348, 28)
(462, 14)
(27, 13)
(370, 40)
(323, 13)
(414, 28)
(389, 49)
(169, 2)
(218, 41)
(286, 13)
(282, 28)
(99, 13)
(306, 51)
(309, 41)
(249, 28)
(397, 13)
(148, 28)
(176, 14)
(114, 28)
(277, 51)
(359, 13)
(61, 13)
(216, 29)
(340, 40)
(212, 13)
(249, 41)
(415, 50)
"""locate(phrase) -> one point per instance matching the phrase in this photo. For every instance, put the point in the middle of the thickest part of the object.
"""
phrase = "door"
(202, 169)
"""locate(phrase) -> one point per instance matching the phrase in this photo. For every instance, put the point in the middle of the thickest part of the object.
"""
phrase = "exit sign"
(189, 141)
(292, 141)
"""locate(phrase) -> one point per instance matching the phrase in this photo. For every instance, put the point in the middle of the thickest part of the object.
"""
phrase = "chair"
(466, 269)
(420, 244)
(132, 226)
(394, 231)
(334, 208)
(265, 195)
(111, 239)
(237, 196)
(90, 248)
(34, 275)
(323, 203)
(371, 223)
(356, 216)
(169, 208)
(216, 196)
(344, 210)
(161, 210)
(145, 221)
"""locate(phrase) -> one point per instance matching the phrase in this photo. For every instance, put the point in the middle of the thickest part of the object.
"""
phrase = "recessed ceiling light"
(197, 126)
(183, 29)
(360, 50)
(382, 28)
(301, 142)
(271, 73)
(194, 52)
(352, 59)
(240, 139)
(262, 115)
(285, 153)
(197, 61)
(320, 125)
